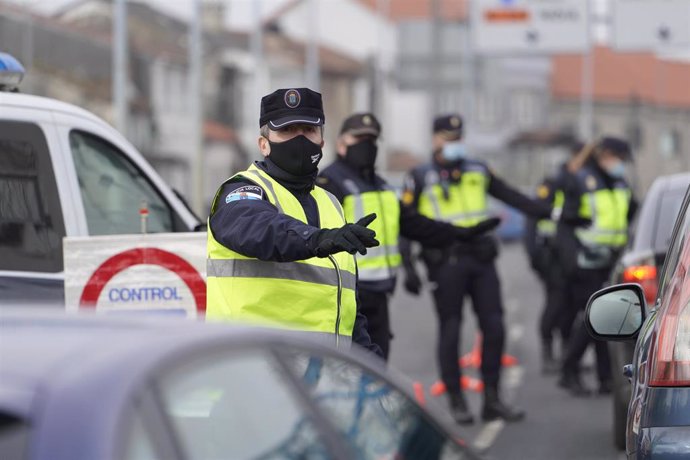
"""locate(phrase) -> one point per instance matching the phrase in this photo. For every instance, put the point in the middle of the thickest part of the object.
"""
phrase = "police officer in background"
(593, 228)
(541, 247)
(279, 250)
(456, 189)
(353, 180)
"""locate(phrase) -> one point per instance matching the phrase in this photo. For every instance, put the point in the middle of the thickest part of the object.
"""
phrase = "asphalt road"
(557, 425)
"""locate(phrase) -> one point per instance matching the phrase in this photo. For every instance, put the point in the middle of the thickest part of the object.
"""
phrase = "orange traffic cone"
(466, 383)
(419, 393)
(473, 358)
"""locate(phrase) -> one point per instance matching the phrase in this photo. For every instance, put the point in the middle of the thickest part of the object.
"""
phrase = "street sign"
(162, 273)
(530, 26)
(648, 25)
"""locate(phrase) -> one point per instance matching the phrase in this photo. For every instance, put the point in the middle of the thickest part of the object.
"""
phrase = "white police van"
(66, 172)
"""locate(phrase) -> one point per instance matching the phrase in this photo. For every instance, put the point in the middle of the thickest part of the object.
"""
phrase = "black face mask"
(299, 156)
(362, 154)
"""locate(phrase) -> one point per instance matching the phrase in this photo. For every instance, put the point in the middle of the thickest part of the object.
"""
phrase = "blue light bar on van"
(11, 72)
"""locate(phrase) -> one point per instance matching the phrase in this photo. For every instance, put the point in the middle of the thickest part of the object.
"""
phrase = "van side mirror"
(616, 312)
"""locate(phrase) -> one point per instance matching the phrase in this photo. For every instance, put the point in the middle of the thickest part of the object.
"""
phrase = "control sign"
(153, 273)
(530, 26)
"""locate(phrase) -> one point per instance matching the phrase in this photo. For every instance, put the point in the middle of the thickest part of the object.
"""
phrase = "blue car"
(75, 387)
(658, 421)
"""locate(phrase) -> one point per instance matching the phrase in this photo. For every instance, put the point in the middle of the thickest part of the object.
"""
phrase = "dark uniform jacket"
(412, 225)
(484, 248)
(254, 227)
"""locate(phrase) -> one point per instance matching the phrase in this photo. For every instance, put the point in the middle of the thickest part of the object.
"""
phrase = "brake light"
(645, 276)
(671, 357)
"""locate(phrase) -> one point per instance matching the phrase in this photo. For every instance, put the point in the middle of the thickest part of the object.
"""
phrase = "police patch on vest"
(247, 192)
(543, 191)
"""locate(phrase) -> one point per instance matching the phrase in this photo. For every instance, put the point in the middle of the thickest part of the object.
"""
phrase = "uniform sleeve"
(513, 197)
(571, 195)
(360, 335)
(429, 232)
(246, 222)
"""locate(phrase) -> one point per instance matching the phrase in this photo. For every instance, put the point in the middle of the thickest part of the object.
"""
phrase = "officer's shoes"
(605, 387)
(459, 410)
(549, 364)
(574, 385)
(495, 409)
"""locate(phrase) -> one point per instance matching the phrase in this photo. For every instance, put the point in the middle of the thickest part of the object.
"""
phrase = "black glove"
(413, 284)
(350, 238)
(577, 221)
(467, 233)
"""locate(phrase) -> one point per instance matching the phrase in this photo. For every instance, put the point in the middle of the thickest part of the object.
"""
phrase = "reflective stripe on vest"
(314, 295)
(466, 204)
(547, 227)
(381, 262)
(608, 210)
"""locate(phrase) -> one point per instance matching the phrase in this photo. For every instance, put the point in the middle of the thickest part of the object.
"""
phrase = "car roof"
(29, 101)
(40, 348)
(648, 219)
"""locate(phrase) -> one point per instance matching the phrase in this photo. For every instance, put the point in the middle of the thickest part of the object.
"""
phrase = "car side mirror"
(616, 312)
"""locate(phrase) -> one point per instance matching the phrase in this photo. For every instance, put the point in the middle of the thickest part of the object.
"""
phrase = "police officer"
(455, 189)
(541, 247)
(353, 180)
(279, 250)
(598, 206)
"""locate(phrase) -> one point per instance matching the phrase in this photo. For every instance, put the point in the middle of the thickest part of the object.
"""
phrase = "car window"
(138, 444)
(681, 239)
(113, 190)
(238, 406)
(378, 420)
(31, 221)
(669, 206)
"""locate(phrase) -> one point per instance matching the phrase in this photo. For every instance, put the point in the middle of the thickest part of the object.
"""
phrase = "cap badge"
(455, 122)
(292, 98)
(366, 119)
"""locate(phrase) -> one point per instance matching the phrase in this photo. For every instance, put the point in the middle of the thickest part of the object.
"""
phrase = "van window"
(113, 189)
(31, 221)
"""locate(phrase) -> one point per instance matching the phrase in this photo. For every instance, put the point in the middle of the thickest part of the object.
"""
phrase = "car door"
(671, 279)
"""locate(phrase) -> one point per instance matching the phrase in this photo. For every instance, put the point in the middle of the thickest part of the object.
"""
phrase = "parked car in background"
(658, 416)
(66, 172)
(640, 263)
(102, 387)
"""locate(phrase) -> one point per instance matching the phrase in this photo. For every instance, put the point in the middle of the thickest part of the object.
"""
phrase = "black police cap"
(361, 123)
(617, 146)
(285, 107)
(450, 125)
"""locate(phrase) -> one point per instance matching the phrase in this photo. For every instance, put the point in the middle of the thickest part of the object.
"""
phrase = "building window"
(670, 143)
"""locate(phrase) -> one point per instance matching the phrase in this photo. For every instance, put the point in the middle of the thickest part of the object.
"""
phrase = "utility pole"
(196, 107)
(587, 84)
(437, 24)
(120, 68)
(312, 68)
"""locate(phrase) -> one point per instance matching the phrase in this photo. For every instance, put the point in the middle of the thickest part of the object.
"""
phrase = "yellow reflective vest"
(462, 202)
(547, 227)
(607, 208)
(379, 263)
(315, 295)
